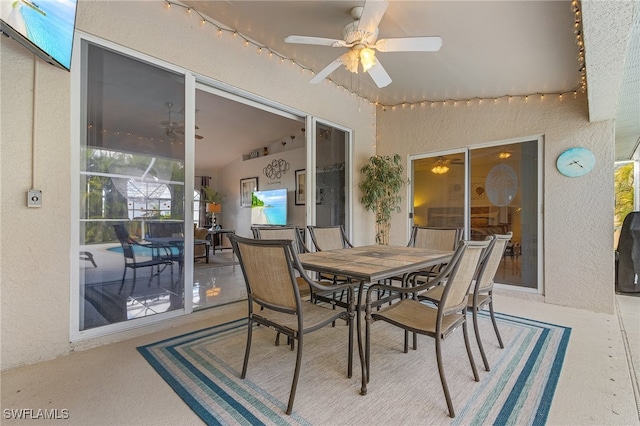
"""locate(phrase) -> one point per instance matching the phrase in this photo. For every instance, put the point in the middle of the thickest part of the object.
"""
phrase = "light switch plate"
(34, 198)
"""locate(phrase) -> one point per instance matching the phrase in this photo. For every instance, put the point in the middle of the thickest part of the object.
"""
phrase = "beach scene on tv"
(269, 207)
(48, 24)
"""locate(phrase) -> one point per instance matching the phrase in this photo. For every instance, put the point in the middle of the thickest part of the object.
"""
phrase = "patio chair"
(269, 269)
(482, 290)
(285, 233)
(128, 250)
(436, 239)
(329, 238)
(431, 238)
(439, 323)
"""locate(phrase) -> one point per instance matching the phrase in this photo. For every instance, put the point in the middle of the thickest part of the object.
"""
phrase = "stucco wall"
(578, 212)
(37, 250)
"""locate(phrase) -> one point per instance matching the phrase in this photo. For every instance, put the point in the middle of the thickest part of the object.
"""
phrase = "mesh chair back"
(165, 229)
(267, 268)
(281, 233)
(328, 237)
(492, 262)
(463, 269)
(435, 238)
(123, 236)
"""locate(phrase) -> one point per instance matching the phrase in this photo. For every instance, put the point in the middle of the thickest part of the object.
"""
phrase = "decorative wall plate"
(576, 162)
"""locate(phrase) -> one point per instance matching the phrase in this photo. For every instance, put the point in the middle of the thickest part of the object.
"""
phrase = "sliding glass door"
(487, 190)
(331, 156)
(154, 143)
(132, 189)
(438, 183)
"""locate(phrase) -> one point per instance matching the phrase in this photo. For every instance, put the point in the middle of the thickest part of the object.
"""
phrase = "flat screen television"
(45, 27)
(269, 207)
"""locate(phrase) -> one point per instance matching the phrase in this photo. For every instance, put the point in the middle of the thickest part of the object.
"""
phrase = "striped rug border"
(163, 352)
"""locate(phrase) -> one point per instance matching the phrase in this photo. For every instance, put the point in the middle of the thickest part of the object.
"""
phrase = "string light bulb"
(366, 57)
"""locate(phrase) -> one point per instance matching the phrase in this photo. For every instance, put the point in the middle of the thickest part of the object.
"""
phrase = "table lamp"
(213, 208)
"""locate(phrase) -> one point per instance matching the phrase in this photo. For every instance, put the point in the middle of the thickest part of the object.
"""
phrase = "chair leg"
(477, 333)
(133, 286)
(468, 346)
(495, 325)
(350, 349)
(296, 375)
(443, 379)
(247, 349)
(123, 277)
(367, 350)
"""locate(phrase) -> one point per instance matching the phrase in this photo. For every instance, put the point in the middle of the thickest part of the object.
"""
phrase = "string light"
(577, 29)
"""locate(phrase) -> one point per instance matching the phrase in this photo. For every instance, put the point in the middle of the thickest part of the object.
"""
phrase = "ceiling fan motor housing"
(351, 34)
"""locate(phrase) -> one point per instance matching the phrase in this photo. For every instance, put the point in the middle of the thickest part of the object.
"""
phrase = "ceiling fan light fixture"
(440, 168)
(350, 61)
(504, 155)
(367, 58)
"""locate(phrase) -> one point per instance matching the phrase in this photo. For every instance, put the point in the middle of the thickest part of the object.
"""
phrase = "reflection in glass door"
(331, 190)
(438, 190)
(499, 194)
(504, 198)
(132, 173)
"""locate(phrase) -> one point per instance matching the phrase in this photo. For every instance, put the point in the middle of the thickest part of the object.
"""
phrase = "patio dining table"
(176, 242)
(370, 264)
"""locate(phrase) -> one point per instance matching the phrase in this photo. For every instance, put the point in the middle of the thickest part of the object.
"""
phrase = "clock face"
(576, 162)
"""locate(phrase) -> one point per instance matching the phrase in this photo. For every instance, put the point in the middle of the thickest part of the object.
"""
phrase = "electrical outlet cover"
(34, 198)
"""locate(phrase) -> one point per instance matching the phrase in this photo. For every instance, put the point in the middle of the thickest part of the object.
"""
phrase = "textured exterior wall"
(36, 245)
(35, 241)
(578, 212)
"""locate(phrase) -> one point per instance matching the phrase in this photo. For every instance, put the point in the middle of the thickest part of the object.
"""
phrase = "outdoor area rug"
(203, 368)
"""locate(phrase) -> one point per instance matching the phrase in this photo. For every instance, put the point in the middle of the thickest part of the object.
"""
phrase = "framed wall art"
(247, 186)
(301, 182)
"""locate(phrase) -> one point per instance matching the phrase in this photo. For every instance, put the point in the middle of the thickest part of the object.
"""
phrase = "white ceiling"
(490, 49)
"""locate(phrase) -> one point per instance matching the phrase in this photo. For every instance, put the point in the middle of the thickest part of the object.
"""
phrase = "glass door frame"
(410, 186)
(467, 169)
(312, 123)
(192, 82)
(77, 96)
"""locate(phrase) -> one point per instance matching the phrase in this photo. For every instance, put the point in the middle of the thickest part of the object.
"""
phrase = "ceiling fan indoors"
(361, 37)
(173, 128)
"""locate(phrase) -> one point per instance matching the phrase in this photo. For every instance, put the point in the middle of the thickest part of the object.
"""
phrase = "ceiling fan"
(441, 164)
(361, 37)
(173, 128)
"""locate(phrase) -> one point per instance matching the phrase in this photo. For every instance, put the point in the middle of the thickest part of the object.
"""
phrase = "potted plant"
(382, 179)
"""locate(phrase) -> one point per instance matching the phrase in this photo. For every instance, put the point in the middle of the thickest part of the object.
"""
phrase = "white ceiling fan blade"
(372, 15)
(326, 71)
(379, 75)
(320, 41)
(409, 44)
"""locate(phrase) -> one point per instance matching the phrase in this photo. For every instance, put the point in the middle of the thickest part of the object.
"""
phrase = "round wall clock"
(576, 162)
